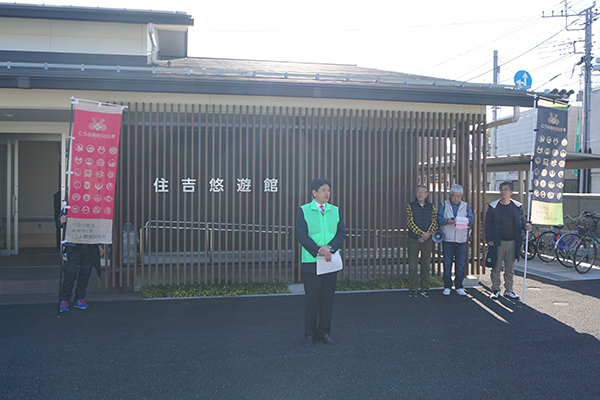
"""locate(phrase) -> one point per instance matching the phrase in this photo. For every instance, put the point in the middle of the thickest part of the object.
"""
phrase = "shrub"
(213, 290)
(381, 284)
(248, 289)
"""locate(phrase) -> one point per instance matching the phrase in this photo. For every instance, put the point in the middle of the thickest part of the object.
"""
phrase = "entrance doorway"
(30, 172)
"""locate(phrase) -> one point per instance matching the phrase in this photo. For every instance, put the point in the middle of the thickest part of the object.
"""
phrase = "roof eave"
(95, 14)
(272, 88)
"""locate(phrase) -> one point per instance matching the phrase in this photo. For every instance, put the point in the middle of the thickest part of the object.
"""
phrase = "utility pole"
(584, 176)
(494, 133)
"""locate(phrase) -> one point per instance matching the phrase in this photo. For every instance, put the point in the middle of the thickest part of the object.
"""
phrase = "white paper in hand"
(324, 267)
(462, 223)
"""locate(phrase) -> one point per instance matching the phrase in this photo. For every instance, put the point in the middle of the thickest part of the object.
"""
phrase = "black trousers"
(318, 302)
(78, 267)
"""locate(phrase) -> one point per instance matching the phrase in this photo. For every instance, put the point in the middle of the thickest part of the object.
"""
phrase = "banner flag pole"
(91, 166)
(535, 118)
(64, 201)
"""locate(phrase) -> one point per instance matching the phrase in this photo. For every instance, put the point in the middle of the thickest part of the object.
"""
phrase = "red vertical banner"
(92, 177)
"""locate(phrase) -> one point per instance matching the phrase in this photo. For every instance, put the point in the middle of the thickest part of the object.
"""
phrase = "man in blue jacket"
(504, 222)
(321, 232)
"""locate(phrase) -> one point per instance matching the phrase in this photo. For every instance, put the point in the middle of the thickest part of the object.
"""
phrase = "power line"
(522, 54)
(524, 25)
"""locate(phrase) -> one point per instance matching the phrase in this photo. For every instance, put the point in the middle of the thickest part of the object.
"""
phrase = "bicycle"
(547, 240)
(565, 247)
(586, 250)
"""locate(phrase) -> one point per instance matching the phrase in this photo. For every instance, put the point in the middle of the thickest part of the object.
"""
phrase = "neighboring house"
(261, 129)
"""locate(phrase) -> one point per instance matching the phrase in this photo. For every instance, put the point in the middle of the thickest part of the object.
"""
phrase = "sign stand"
(535, 121)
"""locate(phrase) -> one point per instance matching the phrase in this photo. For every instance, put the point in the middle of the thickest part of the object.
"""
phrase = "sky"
(437, 38)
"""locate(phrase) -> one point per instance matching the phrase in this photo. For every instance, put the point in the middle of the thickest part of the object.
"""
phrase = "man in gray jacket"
(455, 239)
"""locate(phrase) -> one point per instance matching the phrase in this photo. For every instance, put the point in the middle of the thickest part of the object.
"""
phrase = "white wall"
(21, 34)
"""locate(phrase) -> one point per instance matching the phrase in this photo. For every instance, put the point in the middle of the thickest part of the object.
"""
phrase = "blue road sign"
(523, 80)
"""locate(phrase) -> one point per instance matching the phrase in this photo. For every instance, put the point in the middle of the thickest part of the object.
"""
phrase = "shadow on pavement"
(588, 288)
(389, 346)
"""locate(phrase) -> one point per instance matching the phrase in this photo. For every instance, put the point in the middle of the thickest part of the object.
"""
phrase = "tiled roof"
(259, 78)
(297, 70)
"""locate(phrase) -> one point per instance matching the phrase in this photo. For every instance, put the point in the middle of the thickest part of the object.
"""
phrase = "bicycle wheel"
(565, 249)
(584, 256)
(531, 249)
(545, 246)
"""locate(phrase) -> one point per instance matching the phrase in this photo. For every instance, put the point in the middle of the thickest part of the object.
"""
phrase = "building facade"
(216, 154)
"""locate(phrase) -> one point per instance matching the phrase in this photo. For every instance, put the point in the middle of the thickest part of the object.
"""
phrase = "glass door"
(9, 225)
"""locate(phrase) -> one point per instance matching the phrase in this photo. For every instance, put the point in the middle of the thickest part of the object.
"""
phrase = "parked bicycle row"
(574, 244)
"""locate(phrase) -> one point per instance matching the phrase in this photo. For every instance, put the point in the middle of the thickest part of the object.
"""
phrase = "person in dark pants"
(421, 218)
(455, 240)
(321, 232)
(78, 261)
(504, 222)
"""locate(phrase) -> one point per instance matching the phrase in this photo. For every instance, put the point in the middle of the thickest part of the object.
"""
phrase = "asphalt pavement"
(388, 346)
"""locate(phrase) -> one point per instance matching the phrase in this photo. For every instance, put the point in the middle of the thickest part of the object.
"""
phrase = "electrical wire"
(522, 54)
(526, 24)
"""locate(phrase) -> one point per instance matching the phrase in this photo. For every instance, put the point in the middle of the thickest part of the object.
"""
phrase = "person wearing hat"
(321, 232)
(421, 220)
(454, 244)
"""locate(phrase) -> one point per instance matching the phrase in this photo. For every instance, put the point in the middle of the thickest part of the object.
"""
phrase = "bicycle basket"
(588, 225)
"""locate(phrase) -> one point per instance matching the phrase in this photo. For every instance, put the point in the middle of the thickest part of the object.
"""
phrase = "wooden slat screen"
(211, 192)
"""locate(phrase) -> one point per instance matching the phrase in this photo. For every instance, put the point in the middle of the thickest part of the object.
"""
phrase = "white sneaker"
(495, 295)
(461, 292)
(511, 295)
(446, 292)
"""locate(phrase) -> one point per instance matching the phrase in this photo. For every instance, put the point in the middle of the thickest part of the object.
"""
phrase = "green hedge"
(214, 290)
(382, 284)
(248, 289)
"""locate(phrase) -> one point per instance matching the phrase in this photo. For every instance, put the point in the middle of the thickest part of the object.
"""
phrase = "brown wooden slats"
(235, 231)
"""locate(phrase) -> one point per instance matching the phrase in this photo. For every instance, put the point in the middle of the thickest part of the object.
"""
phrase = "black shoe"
(426, 294)
(308, 341)
(327, 340)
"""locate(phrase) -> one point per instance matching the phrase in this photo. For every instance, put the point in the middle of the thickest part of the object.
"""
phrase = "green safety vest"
(321, 228)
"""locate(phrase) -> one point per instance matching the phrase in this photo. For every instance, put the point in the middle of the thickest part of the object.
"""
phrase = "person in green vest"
(321, 232)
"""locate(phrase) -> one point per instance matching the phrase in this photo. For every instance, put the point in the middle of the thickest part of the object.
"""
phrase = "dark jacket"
(421, 219)
(493, 230)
